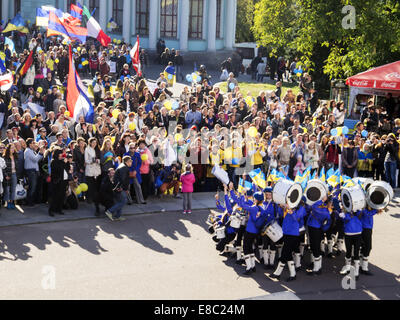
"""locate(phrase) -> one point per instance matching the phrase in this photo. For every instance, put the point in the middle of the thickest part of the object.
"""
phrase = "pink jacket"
(187, 180)
(145, 167)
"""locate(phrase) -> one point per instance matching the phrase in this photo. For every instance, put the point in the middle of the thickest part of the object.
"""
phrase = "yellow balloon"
(144, 157)
(115, 40)
(110, 52)
(119, 41)
(94, 128)
(66, 113)
(115, 113)
(112, 140)
(132, 126)
(84, 187)
(178, 137)
(339, 131)
(39, 89)
(168, 104)
(57, 61)
(252, 132)
(78, 190)
(79, 48)
(249, 101)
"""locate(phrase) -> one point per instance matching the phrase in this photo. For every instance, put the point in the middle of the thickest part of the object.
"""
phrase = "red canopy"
(386, 77)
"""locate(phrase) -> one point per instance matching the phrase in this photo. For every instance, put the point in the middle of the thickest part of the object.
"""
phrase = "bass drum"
(366, 182)
(220, 232)
(273, 231)
(315, 191)
(353, 199)
(235, 221)
(287, 192)
(379, 195)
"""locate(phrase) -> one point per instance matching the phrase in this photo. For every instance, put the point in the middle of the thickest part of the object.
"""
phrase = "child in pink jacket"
(187, 180)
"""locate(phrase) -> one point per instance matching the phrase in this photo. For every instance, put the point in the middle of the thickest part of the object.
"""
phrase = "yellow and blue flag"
(258, 178)
(169, 74)
(322, 175)
(334, 179)
(17, 23)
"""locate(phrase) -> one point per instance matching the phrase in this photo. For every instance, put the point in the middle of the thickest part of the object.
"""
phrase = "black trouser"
(378, 171)
(301, 239)
(315, 240)
(290, 244)
(58, 195)
(349, 172)
(366, 246)
(145, 185)
(239, 236)
(248, 242)
(353, 240)
(94, 190)
(268, 242)
(223, 242)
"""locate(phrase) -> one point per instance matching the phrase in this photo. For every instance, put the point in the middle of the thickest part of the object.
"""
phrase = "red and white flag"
(6, 81)
(135, 57)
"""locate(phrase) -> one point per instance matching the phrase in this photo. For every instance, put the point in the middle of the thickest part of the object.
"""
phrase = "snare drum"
(274, 231)
(220, 232)
(235, 221)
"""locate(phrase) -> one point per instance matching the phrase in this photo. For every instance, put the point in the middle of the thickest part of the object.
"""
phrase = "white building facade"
(188, 25)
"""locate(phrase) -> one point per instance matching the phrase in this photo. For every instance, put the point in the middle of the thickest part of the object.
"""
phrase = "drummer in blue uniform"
(352, 237)
(272, 211)
(239, 235)
(230, 232)
(318, 221)
(367, 221)
(299, 251)
(256, 218)
(290, 227)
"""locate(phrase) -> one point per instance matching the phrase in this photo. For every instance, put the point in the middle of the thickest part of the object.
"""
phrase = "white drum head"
(379, 195)
(315, 191)
(353, 199)
(294, 195)
(287, 192)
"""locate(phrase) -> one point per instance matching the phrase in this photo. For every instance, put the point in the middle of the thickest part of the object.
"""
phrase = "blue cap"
(268, 189)
(303, 198)
(249, 193)
(259, 196)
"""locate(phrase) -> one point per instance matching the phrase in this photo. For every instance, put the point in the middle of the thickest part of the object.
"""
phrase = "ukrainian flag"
(169, 74)
(322, 175)
(17, 23)
(273, 176)
(112, 24)
(299, 177)
(347, 182)
(258, 178)
(244, 185)
(334, 179)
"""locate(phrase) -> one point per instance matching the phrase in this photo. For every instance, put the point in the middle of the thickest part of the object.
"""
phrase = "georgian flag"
(135, 57)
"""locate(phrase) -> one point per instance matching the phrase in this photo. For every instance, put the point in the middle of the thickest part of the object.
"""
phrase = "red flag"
(135, 57)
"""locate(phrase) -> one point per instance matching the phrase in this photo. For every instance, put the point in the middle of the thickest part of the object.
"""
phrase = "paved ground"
(167, 256)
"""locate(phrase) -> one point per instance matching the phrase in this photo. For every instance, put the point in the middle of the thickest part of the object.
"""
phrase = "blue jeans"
(120, 201)
(32, 175)
(390, 173)
(10, 188)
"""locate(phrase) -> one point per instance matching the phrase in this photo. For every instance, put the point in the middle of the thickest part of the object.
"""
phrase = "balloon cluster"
(83, 187)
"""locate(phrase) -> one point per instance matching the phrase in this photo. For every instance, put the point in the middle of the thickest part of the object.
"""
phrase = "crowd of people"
(142, 136)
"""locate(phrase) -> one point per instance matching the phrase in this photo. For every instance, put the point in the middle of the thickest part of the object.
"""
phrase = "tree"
(313, 30)
(244, 20)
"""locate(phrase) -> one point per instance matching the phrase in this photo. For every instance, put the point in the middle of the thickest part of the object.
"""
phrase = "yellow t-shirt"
(256, 158)
(233, 156)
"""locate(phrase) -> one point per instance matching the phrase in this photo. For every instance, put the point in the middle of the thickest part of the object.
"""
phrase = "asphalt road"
(167, 256)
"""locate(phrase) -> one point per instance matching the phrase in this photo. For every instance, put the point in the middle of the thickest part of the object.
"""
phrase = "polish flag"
(135, 57)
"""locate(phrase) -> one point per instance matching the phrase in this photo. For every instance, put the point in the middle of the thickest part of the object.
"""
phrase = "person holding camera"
(59, 180)
(391, 159)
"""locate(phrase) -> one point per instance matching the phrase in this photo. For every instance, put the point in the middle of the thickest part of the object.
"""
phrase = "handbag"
(20, 192)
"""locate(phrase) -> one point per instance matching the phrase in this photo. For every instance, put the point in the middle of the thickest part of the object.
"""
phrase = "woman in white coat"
(93, 172)
(311, 156)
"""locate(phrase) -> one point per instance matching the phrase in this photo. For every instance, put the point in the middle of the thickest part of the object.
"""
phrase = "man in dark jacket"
(106, 189)
(178, 63)
(59, 178)
(121, 182)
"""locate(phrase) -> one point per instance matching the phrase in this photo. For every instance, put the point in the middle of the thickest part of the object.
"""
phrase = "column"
(103, 14)
(229, 21)
(133, 19)
(184, 29)
(153, 23)
(212, 21)
(4, 9)
(126, 25)
(234, 22)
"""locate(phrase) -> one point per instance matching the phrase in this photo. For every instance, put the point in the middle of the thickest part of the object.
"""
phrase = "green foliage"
(312, 30)
(244, 21)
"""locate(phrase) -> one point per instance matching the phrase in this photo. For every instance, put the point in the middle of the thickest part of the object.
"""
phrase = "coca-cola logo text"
(392, 75)
(392, 85)
(361, 83)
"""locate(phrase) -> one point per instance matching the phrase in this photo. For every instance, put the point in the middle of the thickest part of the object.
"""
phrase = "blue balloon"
(74, 50)
(364, 133)
(296, 71)
(80, 66)
(170, 76)
(83, 59)
(122, 78)
(235, 161)
(189, 78)
(334, 132)
(231, 86)
(128, 76)
(345, 130)
(175, 105)
(15, 64)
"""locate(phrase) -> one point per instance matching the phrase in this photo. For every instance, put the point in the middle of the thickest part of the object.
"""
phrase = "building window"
(196, 19)
(94, 5)
(218, 26)
(17, 6)
(142, 17)
(118, 14)
(169, 18)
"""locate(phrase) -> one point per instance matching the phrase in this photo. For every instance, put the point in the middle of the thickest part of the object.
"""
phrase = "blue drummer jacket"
(292, 222)
(254, 222)
(270, 212)
(352, 223)
(319, 216)
(367, 218)
(225, 218)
